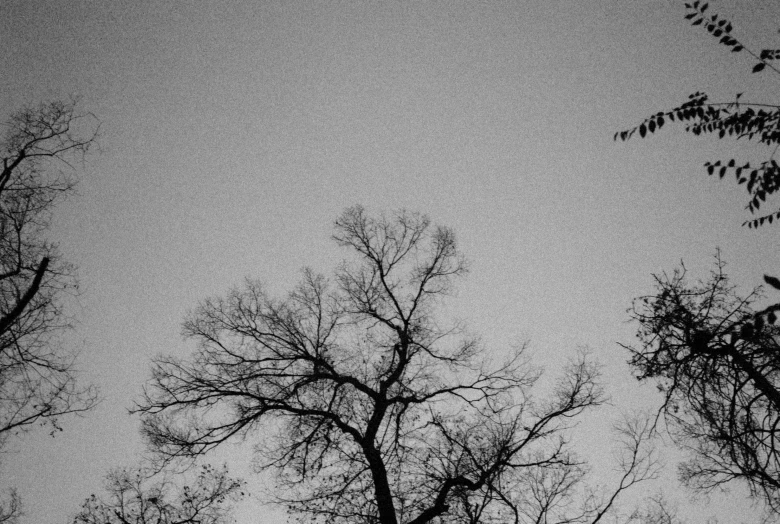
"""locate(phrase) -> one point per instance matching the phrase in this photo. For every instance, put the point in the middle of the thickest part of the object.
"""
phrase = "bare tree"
(37, 380)
(370, 410)
(136, 496)
(715, 358)
(559, 493)
(656, 510)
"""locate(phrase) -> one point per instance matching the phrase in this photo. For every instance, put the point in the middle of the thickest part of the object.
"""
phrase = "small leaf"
(759, 67)
(737, 49)
(642, 130)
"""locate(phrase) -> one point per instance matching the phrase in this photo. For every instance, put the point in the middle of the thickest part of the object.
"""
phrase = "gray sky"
(234, 133)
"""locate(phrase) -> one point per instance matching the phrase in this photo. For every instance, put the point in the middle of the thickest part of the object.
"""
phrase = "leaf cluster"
(736, 119)
(720, 28)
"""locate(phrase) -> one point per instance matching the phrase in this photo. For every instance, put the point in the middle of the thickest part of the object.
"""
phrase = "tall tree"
(713, 356)
(37, 379)
(139, 496)
(370, 409)
(716, 359)
(752, 120)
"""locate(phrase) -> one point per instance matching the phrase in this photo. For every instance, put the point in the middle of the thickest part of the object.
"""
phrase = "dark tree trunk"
(382, 494)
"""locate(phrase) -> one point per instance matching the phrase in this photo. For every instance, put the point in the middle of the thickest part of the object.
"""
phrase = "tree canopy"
(369, 407)
(715, 359)
(37, 377)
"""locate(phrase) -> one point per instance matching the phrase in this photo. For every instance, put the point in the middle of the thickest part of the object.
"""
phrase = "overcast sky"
(234, 133)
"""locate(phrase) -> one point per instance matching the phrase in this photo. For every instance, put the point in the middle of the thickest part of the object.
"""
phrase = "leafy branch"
(737, 119)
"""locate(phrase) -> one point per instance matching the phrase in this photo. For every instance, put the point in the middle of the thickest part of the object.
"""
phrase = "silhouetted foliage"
(137, 497)
(37, 379)
(717, 362)
(738, 119)
(370, 410)
(656, 510)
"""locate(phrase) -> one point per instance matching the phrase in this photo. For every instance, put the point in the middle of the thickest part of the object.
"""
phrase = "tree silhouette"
(370, 409)
(136, 496)
(37, 379)
(717, 362)
(739, 118)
